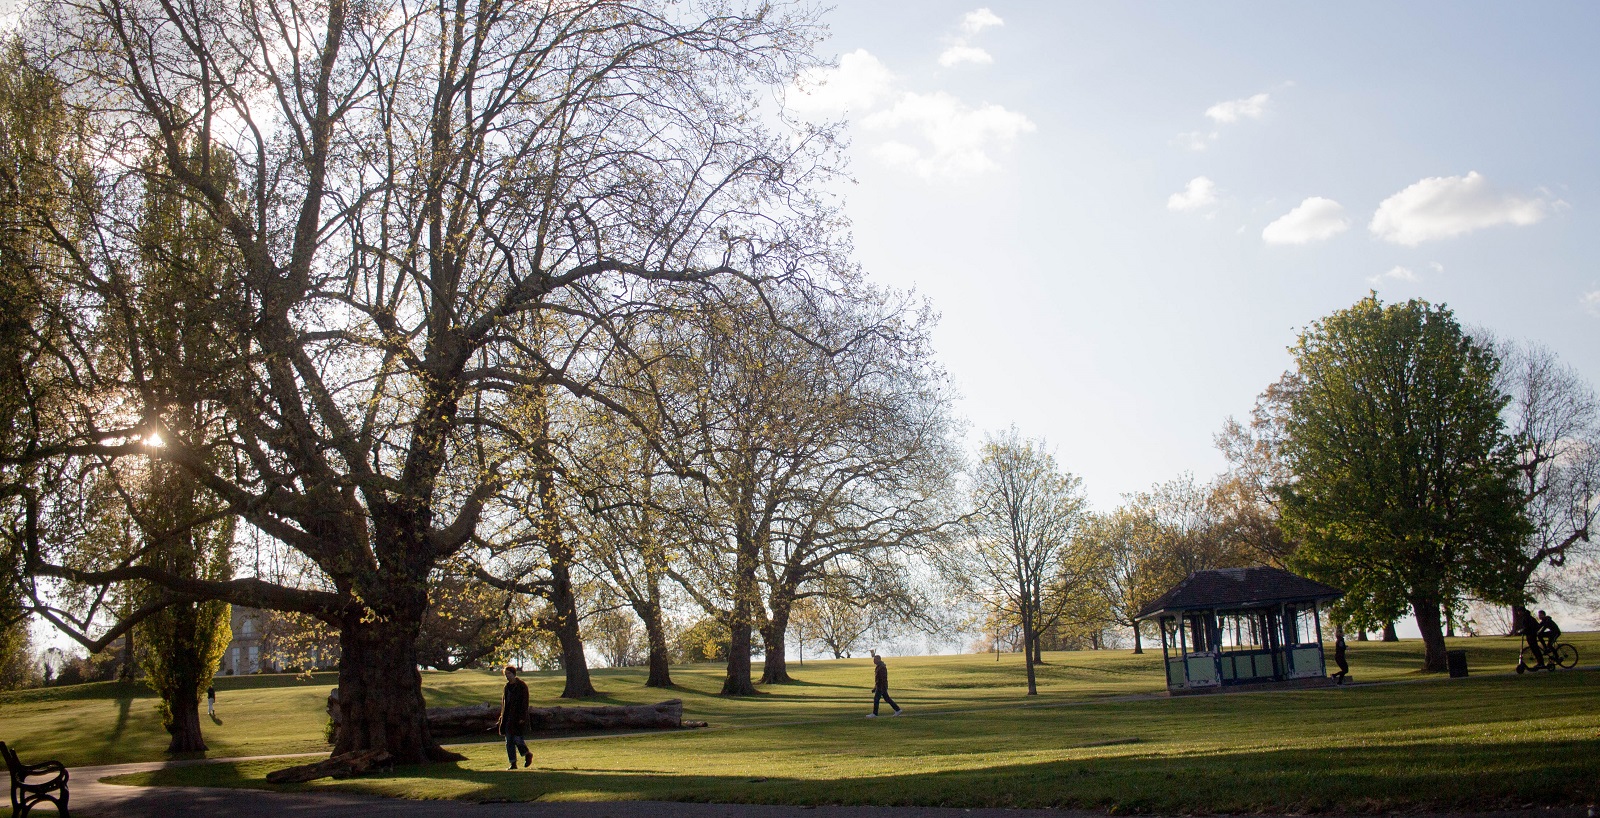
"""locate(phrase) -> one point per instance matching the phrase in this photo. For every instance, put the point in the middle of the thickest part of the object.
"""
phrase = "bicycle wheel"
(1566, 655)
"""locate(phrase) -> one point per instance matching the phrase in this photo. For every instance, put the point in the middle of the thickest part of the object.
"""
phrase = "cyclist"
(1528, 627)
(1548, 632)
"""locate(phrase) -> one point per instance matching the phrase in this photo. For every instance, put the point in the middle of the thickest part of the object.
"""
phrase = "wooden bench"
(26, 795)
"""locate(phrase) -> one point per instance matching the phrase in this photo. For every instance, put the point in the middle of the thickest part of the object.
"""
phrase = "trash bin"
(1456, 660)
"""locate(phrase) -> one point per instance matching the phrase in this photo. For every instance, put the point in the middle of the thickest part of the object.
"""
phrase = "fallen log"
(353, 763)
(479, 718)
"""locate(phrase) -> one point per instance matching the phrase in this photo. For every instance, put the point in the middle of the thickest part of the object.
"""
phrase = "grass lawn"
(970, 737)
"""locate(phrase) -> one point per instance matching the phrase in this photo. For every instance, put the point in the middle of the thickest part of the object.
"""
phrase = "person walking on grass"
(880, 686)
(1338, 657)
(514, 718)
(211, 701)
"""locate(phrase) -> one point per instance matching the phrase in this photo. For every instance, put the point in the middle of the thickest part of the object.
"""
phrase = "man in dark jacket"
(1548, 633)
(1528, 627)
(1339, 657)
(880, 686)
(514, 717)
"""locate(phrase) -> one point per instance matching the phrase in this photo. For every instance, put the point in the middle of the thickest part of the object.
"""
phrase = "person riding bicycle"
(1548, 632)
(1528, 627)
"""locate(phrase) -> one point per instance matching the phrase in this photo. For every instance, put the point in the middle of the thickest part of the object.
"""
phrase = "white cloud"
(979, 19)
(960, 53)
(858, 83)
(1591, 302)
(1315, 219)
(958, 138)
(1396, 273)
(932, 134)
(1442, 207)
(960, 50)
(1200, 192)
(1196, 140)
(1234, 110)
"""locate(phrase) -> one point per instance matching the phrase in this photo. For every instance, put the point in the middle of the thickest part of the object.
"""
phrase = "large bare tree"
(1554, 418)
(423, 191)
(823, 434)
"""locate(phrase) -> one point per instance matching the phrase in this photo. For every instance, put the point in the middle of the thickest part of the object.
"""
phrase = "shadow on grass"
(1364, 779)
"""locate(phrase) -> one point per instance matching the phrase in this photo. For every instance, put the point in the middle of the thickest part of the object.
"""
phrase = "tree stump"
(479, 718)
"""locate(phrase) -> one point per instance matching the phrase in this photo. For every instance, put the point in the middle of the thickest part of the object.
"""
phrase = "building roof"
(1256, 587)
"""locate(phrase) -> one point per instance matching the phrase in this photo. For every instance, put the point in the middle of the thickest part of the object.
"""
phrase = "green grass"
(970, 738)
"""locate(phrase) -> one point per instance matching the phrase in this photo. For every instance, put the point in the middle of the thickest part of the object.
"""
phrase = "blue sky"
(1126, 211)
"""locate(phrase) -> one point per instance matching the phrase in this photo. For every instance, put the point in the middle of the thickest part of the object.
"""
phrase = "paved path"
(92, 799)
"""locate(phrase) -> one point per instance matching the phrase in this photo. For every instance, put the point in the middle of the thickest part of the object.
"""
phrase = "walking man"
(880, 686)
(211, 701)
(1338, 656)
(514, 718)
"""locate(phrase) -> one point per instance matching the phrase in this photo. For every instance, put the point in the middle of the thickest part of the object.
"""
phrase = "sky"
(1125, 213)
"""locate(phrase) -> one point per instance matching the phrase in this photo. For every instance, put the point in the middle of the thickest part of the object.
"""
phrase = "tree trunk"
(180, 672)
(745, 598)
(1027, 653)
(1427, 613)
(738, 681)
(565, 604)
(656, 634)
(1138, 639)
(1361, 636)
(775, 636)
(185, 728)
(563, 601)
(125, 672)
(380, 689)
(1388, 632)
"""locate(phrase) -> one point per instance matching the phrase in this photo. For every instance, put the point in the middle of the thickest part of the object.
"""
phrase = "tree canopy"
(1402, 487)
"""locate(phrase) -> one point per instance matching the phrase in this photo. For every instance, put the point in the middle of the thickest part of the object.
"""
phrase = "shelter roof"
(1260, 586)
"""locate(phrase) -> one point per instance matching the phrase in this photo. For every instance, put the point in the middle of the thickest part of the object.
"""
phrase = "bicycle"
(1562, 655)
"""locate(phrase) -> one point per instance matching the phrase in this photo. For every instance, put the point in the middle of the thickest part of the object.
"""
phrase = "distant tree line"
(1428, 471)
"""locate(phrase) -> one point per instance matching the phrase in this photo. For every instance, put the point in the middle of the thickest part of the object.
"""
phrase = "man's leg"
(877, 696)
(511, 748)
(891, 702)
(1538, 655)
(527, 757)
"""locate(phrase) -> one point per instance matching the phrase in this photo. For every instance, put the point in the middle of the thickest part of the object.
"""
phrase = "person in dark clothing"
(1548, 632)
(211, 700)
(880, 686)
(1338, 657)
(514, 717)
(1528, 627)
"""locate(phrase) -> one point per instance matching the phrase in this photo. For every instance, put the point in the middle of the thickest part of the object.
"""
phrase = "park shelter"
(1241, 626)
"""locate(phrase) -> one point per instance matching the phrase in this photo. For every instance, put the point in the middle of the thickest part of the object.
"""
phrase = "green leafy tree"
(1403, 486)
(181, 645)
